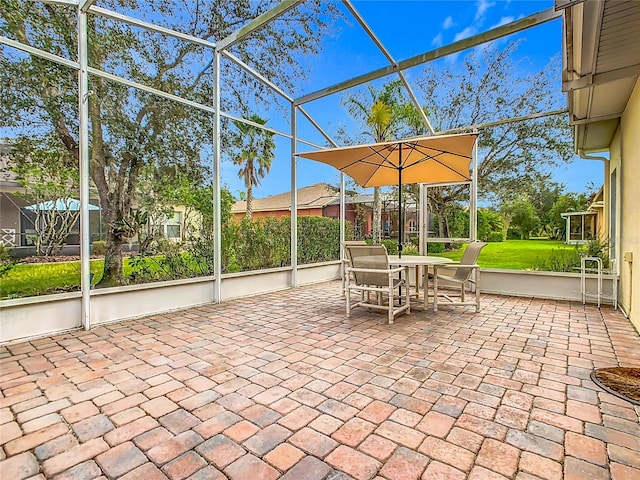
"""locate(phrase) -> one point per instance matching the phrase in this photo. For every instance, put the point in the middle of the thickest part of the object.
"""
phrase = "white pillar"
(83, 158)
(217, 214)
(294, 198)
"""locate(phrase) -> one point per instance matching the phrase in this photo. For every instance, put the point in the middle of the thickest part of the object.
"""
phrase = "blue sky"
(407, 28)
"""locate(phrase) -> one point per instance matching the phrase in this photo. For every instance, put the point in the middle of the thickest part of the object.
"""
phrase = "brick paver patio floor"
(284, 385)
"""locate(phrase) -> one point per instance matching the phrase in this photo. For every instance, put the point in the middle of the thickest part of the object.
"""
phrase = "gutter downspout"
(584, 156)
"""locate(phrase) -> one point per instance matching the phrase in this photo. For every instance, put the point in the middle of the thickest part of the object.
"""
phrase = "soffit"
(602, 64)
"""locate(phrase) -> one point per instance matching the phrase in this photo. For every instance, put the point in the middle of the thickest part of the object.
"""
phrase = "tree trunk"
(249, 213)
(377, 216)
(112, 274)
(112, 271)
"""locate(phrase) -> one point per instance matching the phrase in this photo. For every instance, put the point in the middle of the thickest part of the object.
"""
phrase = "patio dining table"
(418, 261)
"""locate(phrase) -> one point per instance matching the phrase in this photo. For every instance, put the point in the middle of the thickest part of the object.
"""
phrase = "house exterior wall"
(602, 227)
(333, 211)
(190, 221)
(628, 156)
(10, 219)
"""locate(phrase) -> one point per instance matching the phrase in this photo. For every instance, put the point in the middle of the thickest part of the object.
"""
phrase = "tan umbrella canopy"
(441, 158)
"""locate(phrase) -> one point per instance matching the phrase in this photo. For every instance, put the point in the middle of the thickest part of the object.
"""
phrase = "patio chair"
(369, 272)
(345, 262)
(462, 274)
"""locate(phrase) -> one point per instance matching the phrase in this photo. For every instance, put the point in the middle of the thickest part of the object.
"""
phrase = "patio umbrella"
(438, 158)
(61, 204)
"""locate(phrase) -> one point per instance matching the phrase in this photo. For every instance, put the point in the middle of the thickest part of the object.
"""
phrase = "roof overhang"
(601, 64)
(576, 214)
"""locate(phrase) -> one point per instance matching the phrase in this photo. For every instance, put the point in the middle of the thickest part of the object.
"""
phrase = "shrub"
(495, 237)
(98, 247)
(435, 247)
(513, 234)
(597, 248)
(263, 243)
(318, 239)
(7, 262)
(410, 250)
(391, 246)
(570, 260)
(560, 260)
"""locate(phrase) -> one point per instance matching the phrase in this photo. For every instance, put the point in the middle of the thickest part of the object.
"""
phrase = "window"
(172, 227)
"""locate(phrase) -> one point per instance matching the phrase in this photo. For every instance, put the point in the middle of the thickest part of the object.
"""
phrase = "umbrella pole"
(400, 223)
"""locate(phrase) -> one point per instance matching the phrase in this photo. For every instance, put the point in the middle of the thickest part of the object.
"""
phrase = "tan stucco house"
(601, 65)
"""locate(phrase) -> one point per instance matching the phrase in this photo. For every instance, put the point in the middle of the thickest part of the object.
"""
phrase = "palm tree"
(254, 155)
(385, 114)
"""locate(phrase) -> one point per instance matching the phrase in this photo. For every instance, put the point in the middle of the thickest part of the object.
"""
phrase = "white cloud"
(448, 23)
(483, 6)
(503, 21)
(467, 32)
(437, 40)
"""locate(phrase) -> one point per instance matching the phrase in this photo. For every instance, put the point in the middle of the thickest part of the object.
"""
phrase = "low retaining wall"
(33, 317)
(27, 318)
(551, 285)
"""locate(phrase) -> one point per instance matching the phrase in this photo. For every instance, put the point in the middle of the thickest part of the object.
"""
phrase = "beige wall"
(625, 156)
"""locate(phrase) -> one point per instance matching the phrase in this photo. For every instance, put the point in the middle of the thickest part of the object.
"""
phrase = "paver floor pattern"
(284, 385)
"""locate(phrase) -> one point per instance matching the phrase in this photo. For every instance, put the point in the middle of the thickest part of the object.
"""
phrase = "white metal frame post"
(83, 159)
(217, 213)
(294, 197)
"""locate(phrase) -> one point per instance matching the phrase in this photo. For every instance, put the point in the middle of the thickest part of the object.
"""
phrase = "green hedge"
(256, 244)
(495, 237)
(265, 242)
(318, 239)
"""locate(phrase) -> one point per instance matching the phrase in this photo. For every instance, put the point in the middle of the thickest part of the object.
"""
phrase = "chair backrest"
(369, 256)
(348, 243)
(469, 257)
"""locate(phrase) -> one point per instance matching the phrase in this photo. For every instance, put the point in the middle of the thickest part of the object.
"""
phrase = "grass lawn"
(512, 254)
(30, 279)
(26, 280)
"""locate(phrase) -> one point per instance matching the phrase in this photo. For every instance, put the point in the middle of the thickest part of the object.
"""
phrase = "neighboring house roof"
(319, 195)
(360, 198)
(573, 214)
(597, 199)
(601, 63)
(314, 196)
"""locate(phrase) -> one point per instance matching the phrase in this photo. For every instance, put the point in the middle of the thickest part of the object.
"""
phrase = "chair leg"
(407, 297)
(477, 276)
(425, 286)
(391, 302)
(348, 295)
(435, 291)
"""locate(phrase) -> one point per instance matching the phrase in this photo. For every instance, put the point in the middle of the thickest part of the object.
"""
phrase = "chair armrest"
(455, 265)
(376, 270)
